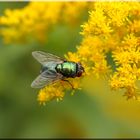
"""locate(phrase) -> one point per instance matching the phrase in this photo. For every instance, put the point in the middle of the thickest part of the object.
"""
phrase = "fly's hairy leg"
(68, 83)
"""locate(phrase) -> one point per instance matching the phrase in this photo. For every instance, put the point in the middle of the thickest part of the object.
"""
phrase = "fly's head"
(80, 69)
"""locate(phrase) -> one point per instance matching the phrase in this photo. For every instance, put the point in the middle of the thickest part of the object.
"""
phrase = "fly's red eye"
(79, 74)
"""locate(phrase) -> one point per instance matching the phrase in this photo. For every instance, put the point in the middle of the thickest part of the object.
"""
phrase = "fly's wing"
(49, 75)
(43, 57)
(45, 78)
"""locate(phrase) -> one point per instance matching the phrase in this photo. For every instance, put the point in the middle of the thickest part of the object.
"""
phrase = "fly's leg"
(68, 83)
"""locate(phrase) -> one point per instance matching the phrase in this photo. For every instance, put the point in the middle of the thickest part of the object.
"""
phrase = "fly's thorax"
(58, 68)
(49, 66)
(67, 69)
(44, 68)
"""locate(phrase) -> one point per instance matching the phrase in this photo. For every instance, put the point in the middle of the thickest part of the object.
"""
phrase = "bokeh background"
(93, 112)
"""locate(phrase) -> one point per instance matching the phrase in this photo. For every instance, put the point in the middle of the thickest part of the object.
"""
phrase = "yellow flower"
(72, 57)
(51, 92)
(72, 11)
(112, 30)
(110, 46)
(57, 90)
(35, 20)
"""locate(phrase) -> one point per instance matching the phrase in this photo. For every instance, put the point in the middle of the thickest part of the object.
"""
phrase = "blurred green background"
(93, 112)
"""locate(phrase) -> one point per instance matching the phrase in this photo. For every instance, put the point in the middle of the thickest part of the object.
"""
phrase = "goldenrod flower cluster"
(57, 90)
(112, 33)
(36, 19)
(113, 29)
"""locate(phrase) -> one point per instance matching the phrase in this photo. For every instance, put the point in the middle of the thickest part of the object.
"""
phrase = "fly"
(54, 69)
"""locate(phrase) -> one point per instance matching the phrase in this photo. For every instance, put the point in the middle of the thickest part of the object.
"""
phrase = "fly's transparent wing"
(43, 57)
(45, 78)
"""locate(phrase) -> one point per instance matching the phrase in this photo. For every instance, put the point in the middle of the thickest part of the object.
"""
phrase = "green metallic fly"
(54, 69)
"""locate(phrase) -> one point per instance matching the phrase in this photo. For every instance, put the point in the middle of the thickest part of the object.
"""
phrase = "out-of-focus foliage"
(93, 112)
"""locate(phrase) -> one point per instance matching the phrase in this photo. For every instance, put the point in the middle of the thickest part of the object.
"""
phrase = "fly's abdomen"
(67, 69)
